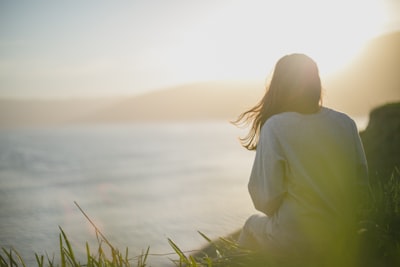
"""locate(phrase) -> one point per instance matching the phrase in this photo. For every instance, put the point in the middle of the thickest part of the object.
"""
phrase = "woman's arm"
(273, 205)
(266, 185)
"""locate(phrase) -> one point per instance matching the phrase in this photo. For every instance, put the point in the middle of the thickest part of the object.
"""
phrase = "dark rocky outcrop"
(381, 140)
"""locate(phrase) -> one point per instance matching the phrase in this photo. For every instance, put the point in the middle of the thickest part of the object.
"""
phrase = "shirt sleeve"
(266, 185)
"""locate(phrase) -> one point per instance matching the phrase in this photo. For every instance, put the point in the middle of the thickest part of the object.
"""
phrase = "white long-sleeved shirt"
(307, 172)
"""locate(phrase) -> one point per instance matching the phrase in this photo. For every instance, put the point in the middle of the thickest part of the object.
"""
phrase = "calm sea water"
(140, 184)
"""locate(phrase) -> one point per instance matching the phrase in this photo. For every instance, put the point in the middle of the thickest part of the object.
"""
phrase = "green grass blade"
(50, 261)
(89, 261)
(193, 261)
(39, 260)
(141, 261)
(146, 255)
(19, 258)
(70, 252)
(9, 255)
(126, 255)
(62, 254)
(205, 237)
(3, 261)
(178, 251)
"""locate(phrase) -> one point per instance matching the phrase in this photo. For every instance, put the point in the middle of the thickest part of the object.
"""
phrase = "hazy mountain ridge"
(32, 113)
(372, 79)
(200, 101)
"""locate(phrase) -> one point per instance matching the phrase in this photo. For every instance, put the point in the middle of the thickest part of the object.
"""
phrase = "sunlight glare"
(331, 33)
(345, 33)
(245, 42)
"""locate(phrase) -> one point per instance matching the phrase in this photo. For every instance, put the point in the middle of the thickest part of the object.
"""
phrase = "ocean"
(139, 183)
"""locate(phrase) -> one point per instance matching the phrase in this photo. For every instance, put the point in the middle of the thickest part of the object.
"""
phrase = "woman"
(308, 171)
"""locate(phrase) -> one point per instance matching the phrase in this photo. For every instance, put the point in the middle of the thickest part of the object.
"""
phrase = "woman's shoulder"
(280, 120)
(292, 118)
(340, 116)
(334, 112)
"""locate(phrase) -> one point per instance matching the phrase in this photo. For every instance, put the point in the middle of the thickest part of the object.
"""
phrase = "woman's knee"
(256, 224)
(254, 232)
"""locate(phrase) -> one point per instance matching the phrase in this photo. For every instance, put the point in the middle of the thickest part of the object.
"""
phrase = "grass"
(379, 231)
(105, 254)
(380, 224)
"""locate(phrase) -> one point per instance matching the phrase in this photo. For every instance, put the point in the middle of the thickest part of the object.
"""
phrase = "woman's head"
(295, 86)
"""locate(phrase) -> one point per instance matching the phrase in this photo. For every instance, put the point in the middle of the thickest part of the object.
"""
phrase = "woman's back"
(320, 157)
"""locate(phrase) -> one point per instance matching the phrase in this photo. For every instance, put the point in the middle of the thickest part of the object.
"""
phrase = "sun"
(333, 33)
(242, 40)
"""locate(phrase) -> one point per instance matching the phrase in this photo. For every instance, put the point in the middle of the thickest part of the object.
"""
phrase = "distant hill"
(199, 101)
(36, 113)
(372, 79)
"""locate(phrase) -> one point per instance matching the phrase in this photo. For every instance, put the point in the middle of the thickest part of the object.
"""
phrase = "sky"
(69, 49)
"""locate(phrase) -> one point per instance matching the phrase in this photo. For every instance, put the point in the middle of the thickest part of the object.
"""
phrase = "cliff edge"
(381, 140)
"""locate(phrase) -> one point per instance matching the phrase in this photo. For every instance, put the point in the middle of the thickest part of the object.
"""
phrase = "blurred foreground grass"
(379, 231)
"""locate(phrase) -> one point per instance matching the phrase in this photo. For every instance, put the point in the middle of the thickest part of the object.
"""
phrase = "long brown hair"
(295, 86)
